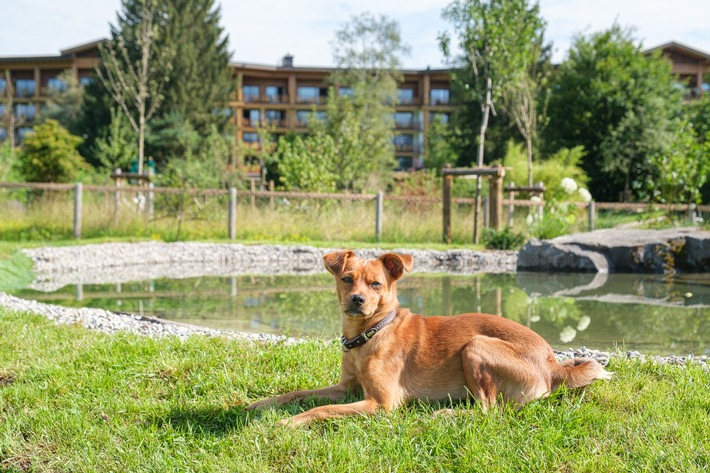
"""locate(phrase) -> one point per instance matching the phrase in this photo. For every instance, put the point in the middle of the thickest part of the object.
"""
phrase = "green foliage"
(499, 41)
(117, 145)
(94, 121)
(50, 155)
(366, 51)
(362, 133)
(440, 146)
(307, 163)
(616, 102)
(66, 106)
(199, 79)
(7, 161)
(549, 171)
(683, 168)
(505, 239)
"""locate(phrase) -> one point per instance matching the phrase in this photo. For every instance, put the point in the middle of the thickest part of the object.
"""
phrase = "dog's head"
(366, 287)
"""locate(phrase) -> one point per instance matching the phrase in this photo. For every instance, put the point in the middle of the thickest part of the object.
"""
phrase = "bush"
(505, 239)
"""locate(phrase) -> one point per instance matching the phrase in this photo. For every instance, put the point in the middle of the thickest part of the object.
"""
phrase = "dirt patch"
(6, 378)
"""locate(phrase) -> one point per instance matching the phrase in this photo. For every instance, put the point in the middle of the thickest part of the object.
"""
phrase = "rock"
(620, 250)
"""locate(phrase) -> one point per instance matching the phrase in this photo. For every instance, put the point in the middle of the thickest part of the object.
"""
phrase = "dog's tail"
(577, 373)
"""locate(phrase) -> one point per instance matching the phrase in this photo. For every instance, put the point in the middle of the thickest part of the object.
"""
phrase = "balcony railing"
(407, 125)
(264, 98)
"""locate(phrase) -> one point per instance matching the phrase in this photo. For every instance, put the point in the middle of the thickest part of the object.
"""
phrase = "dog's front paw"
(260, 404)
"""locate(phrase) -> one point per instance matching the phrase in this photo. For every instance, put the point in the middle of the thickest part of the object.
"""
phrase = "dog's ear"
(396, 264)
(335, 262)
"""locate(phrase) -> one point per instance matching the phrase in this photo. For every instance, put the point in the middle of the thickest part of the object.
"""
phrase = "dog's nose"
(357, 299)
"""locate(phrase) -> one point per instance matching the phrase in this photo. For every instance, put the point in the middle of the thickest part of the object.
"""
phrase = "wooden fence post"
(379, 209)
(495, 192)
(232, 224)
(486, 212)
(77, 210)
(253, 197)
(592, 215)
(446, 211)
(271, 190)
(151, 200)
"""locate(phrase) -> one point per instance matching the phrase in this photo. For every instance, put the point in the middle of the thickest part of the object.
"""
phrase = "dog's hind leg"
(493, 367)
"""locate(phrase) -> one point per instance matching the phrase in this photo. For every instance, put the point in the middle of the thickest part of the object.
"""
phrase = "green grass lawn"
(76, 400)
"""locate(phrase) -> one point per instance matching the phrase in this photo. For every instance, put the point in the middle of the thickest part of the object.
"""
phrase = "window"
(250, 137)
(24, 87)
(56, 85)
(22, 132)
(346, 92)
(2, 109)
(251, 117)
(307, 94)
(3, 86)
(25, 111)
(403, 143)
(439, 96)
(404, 163)
(303, 116)
(3, 134)
(404, 119)
(405, 96)
(251, 93)
(274, 94)
(84, 81)
(274, 117)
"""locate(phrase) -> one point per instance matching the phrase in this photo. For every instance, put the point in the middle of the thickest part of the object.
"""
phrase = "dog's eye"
(347, 279)
(375, 284)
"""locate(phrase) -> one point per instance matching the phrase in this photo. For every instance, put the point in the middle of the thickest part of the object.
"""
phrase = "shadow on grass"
(212, 421)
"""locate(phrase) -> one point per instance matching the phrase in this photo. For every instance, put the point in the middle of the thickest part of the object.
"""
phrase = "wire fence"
(59, 211)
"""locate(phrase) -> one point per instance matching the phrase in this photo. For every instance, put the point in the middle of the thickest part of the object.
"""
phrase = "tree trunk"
(530, 161)
(481, 142)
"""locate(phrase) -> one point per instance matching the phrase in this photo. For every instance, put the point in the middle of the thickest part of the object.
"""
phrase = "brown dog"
(396, 356)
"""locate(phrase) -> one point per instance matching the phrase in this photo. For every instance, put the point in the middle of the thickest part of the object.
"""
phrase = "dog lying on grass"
(395, 356)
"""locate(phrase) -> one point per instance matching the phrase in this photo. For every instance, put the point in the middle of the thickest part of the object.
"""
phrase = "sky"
(263, 31)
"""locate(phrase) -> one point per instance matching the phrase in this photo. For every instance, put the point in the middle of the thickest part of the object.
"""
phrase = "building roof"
(682, 49)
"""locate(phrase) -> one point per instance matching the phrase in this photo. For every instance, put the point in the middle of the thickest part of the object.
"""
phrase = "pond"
(647, 313)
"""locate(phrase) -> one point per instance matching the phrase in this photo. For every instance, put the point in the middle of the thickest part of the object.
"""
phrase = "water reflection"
(635, 312)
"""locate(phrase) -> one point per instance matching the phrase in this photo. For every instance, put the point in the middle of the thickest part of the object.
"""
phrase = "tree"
(132, 70)
(9, 119)
(307, 163)
(618, 103)
(366, 53)
(683, 168)
(497, 40)
(525, 101)
(362, 133)
(49, 154)
(439, 145)
(65, 105)
(200, 78)
(116, 148)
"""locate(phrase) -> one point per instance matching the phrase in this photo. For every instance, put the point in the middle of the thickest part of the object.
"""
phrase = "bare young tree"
(136, 84)
(497, 38)
(521, 103)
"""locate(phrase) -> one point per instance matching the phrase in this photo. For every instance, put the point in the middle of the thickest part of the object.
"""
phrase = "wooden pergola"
(495, 176)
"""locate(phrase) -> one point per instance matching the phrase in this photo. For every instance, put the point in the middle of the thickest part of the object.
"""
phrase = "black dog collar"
(365, 336)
